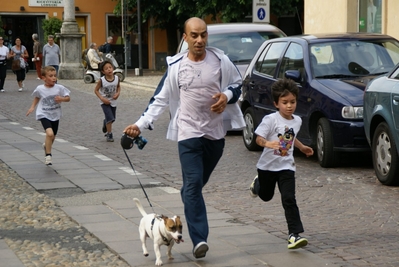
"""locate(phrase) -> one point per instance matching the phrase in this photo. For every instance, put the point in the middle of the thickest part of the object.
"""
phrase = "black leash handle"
(145, 193)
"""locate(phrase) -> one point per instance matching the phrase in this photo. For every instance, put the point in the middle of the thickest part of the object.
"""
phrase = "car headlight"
(349, 112)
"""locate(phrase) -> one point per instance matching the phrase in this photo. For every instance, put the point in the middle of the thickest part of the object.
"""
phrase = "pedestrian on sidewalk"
(51, 53)
(49, 97)
(277, 135)
(201, 89)
(108, 89)
(37, 55)
(4, 56)
(19, 52)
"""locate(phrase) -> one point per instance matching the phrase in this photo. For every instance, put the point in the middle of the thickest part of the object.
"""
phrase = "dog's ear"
(163, 217)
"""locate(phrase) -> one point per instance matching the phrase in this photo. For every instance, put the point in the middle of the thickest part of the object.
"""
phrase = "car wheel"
(248, 133)
(385, 157)
(325, 154)
(88, 78)
(121, 76)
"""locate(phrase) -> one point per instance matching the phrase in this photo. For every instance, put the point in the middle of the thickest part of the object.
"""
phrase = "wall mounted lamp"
(22, 8)
(77, 8)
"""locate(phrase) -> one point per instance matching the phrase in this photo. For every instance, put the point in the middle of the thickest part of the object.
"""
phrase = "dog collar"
(163, 238)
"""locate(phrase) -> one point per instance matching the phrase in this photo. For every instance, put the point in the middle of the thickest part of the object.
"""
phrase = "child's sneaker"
(47, 160)
(104, 127)
(296, 241)
(252, 191)
(110, 138)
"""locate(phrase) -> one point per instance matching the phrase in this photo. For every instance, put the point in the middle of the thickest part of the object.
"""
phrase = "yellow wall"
(321, 16)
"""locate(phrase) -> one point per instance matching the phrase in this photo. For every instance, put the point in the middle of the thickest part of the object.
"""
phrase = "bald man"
(201, 89)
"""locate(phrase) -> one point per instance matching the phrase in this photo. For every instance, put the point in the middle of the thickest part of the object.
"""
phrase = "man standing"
(201, 89)
(51, 53)
(4, 55)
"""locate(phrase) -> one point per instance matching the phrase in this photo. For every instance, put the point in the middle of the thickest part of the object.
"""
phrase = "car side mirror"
(293, 75)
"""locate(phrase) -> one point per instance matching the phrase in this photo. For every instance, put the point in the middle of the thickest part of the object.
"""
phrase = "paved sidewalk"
(97, 192)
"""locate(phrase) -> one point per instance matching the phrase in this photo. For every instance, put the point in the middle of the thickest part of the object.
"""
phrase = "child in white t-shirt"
(49, 97)
(276, 134)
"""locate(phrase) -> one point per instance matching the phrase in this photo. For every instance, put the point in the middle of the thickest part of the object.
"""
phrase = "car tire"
(248, 133)
(88, 78)
(325, 145)
(385, 156)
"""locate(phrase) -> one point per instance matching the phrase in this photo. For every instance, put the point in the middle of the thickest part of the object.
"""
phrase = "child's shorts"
(109, 112)
(50, 124)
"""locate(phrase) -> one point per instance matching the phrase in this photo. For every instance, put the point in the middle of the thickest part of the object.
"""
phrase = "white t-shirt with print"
(198, 82)
(274, 127)
(47, 107)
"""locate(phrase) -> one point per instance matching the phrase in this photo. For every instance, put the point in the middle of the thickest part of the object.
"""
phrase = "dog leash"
(142, 187)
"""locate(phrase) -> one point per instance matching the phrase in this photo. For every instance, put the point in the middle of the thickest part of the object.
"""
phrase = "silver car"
(239, 41)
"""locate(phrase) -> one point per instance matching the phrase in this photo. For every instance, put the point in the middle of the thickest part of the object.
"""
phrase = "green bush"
(51, 26)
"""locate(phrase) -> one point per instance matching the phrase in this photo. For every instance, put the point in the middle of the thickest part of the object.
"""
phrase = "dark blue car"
(381, 125)
(332, 71)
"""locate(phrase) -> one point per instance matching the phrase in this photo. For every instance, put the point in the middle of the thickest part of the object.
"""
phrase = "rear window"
(240, 47)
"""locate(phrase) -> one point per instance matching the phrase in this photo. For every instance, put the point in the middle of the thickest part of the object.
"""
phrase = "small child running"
(276, 134)
(49, 96)
(108, 90)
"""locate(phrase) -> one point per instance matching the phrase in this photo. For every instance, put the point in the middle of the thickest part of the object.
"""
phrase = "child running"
(49, 96)
(108, 90)
(276, 134)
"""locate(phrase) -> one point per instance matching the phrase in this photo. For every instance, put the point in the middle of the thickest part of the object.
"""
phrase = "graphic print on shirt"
(48, 103)
(286, 141)
(187, 74)
(109, 91)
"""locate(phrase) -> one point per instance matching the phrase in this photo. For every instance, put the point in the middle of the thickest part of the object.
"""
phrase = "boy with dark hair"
(108, 89)
(277, 135)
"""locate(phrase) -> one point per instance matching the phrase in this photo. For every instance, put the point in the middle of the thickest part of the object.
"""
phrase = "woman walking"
(18, 52)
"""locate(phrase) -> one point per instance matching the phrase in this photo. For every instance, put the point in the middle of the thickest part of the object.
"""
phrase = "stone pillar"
(71, 45)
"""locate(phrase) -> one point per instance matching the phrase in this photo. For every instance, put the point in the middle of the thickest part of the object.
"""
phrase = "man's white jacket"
(169, 95)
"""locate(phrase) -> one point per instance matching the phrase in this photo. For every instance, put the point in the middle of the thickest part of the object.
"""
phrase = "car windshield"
(353, 58)
(240, 47)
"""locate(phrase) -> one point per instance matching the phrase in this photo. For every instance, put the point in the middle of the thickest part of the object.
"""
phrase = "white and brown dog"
(161, 229)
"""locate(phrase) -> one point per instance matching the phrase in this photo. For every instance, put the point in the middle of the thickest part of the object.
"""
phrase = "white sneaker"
(200, 250)
(20, 90)
(2, 90)
(47, 160)
(38, 78)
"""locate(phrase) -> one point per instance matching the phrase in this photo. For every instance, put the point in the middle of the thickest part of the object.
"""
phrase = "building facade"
(22, 18)
(379, 16)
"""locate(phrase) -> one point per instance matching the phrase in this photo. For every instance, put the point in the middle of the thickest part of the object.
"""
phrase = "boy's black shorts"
(50, 124)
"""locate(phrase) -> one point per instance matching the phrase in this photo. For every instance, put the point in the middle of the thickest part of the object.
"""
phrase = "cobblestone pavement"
(349, 217)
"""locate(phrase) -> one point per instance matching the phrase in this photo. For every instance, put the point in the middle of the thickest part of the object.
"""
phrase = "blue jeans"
(198, 159)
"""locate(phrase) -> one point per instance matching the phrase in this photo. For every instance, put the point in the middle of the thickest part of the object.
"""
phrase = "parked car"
(239, 41)
(381, 125)
(332, 71)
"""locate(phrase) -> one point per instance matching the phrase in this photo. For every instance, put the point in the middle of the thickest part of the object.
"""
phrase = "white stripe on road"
(169, 190)
(28, 128)
(102, 157)
(80, 147)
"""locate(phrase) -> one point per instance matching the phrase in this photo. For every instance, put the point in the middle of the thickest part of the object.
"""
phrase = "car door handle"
(252, 84)
(396, 99)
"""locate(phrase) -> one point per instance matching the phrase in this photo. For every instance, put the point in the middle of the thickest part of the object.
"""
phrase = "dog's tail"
(140, 207)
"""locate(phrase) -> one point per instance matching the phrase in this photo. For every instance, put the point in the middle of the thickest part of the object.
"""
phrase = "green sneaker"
(296, 241)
